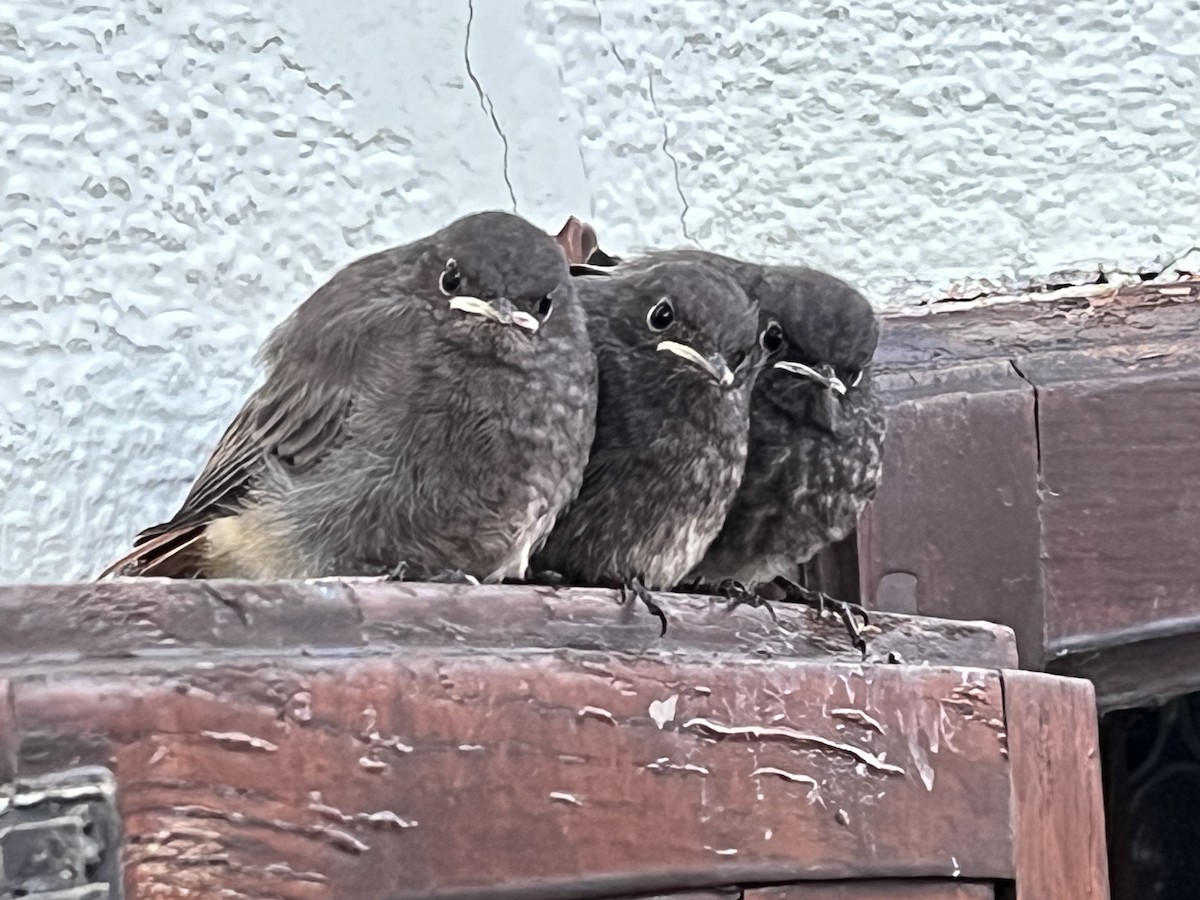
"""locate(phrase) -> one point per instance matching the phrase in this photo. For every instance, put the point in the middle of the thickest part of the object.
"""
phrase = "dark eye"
(451, 278)
(544, 306)
(661, 316)
(771, 338)
(853, 378)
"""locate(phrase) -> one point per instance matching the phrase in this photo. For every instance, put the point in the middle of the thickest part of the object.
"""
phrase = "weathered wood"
(954, 529)
(153, 619)
(1135, 667)
(1042, 453)
(569, 775)
(894, 889)
(1054, 748)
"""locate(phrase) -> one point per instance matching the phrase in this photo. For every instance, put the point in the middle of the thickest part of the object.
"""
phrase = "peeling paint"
(763, 733)
(595, 712)
(235, 740)
(562, 797)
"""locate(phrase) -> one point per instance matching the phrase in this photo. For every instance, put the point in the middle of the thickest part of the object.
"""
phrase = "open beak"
(716, 367)
(499, 310)
(823, 376)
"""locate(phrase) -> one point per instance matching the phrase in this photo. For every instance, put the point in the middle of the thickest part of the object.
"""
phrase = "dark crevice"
(1037, 421)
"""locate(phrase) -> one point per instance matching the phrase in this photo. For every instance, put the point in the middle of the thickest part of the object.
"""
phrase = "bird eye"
(856, 379)
(771, 338)
(451, 278)
(661, 316)
(544, 306)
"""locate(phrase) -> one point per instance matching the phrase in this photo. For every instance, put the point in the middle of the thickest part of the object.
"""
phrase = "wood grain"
(1054, 747)
(332, 778)
(155, 619)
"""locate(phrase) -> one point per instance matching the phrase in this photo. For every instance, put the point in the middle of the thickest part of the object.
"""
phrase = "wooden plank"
(878, 890)
(954, 529)
(1054, 746)
(572, 775)
(1134, 667)
(155, 619)
(1121, 499)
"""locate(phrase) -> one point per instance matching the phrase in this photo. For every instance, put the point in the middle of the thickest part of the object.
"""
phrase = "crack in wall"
(485, 101)
(600, 28)
(666, 148)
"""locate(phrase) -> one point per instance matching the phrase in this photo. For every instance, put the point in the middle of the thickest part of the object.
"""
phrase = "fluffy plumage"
(671, 430)
(432, 404)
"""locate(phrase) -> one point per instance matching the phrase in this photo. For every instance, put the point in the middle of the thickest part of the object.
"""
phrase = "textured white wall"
(177, 176)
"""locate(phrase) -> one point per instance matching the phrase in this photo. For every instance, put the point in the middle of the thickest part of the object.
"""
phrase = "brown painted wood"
(379, 777)
(894, 889)
(1042, 452)
(954, 529)
(154, 619)
(1054, 748)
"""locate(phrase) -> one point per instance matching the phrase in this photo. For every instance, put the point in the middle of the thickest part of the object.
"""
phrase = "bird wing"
(296, 421)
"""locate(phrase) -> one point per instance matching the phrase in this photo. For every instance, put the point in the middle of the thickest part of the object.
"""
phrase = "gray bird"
(431, 405)
(816, 432)
(678, 347)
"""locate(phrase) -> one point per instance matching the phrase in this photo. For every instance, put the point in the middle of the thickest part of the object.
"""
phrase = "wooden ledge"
(154, 619)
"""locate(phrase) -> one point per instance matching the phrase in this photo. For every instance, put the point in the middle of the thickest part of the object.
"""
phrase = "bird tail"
(171, 554)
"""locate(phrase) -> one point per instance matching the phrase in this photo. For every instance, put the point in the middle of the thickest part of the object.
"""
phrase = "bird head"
(829, 332)
(498, 269)
(691, 317)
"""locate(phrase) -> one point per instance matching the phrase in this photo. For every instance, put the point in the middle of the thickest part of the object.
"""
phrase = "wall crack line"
(666, 148)
(485, 102)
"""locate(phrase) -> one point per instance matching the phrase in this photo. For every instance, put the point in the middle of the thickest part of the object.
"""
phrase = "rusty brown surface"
(1040, 471)
(148, 619)
(578, 774)
(1054, 746)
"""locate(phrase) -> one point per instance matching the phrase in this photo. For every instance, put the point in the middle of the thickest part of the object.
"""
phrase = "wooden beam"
(1054, 747)
(568, 775)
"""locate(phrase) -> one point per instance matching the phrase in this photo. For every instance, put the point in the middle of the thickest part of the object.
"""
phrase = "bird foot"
(453, 576)
(398, 572)
(635, 587)
(847, 611)
(739, 595)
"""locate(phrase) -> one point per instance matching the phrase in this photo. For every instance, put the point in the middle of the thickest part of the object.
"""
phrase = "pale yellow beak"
(716, 368)
(499, 310)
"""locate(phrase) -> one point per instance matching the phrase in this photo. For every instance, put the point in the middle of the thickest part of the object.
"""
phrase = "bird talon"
(739, 595)
(635, 587)
(454, 576)
(398, 572)
(847, 611)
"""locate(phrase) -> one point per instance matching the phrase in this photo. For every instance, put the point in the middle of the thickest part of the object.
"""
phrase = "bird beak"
(499, 310)
(715, 367)
(823, 376)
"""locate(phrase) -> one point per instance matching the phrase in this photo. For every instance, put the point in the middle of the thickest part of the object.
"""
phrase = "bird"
(679, 348)
(817, 429)
(429, 410)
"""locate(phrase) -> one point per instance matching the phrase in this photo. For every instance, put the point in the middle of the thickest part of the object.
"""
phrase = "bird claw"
(846, 610)
(454, 576)
(739, 595)
(635, 587)
(398, 572)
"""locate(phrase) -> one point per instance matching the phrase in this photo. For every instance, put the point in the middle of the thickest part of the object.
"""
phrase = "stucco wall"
(176, 177)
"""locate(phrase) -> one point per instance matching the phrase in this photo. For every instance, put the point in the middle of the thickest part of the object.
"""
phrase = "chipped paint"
(785, 775)
(563, 797)
(859, 717)
(595, 712)
(717, 730)
(235, 740)
(664, 764)
(663, 711)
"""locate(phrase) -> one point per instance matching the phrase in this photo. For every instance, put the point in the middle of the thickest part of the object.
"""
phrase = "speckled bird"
(432, 405)
(679, 349)
(816, 428)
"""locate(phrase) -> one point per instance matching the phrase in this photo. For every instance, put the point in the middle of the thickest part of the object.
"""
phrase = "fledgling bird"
(432, 405)
(816, 430)
(679, 349)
